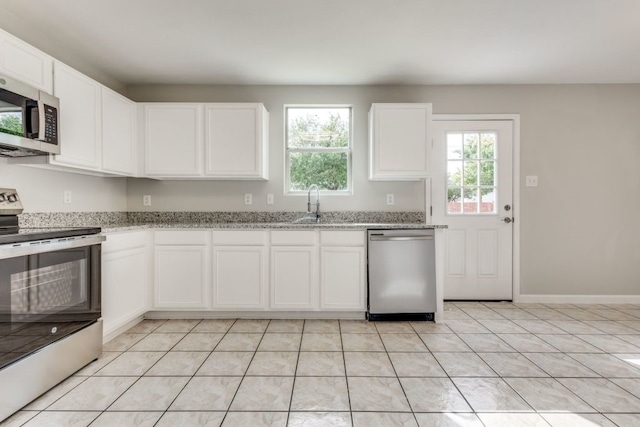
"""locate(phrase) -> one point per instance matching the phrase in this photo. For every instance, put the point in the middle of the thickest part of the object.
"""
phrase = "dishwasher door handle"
(381, 238)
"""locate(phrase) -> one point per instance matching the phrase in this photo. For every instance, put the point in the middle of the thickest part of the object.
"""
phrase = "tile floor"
(491, 364)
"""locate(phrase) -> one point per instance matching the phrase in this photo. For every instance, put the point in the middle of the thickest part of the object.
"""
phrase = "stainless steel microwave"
(28, 120)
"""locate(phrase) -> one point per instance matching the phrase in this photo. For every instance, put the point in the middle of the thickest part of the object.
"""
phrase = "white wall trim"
(515, 118)
(580, 299)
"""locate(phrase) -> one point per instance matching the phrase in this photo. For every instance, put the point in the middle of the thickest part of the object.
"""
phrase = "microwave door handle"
(41, 121)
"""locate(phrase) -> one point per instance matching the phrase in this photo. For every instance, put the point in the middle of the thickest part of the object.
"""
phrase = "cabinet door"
(181, 277)
(124, 278)
(80, 119)
(294, 277)
(399, 141)
(173, 137)
(342, 278)
(236, 141)
(25, 63)
(239, 277)
(118, 133)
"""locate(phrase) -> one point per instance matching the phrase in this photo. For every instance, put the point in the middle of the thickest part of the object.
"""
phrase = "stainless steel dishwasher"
(402, 276)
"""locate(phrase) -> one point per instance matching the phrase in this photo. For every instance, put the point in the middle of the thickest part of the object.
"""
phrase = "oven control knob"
(3, 197)
(12, 198)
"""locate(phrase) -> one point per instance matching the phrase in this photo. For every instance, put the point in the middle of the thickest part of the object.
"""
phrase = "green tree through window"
(471, 171)
(11, 123)
(318, 148)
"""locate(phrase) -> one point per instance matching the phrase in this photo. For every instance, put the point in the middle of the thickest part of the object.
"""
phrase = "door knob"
(507, 220)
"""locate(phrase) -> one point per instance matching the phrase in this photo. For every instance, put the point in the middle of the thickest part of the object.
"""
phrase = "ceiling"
(345, 42)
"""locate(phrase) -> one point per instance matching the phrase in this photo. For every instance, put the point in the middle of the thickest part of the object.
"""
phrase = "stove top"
(19, 235)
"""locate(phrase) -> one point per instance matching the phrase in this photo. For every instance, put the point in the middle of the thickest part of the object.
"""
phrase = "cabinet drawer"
(342, 238)
(294, 237)
(239, 238)
(125, 240)
(181, 237)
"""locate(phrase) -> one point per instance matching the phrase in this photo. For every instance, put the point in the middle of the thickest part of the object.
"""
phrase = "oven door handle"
(41, 246)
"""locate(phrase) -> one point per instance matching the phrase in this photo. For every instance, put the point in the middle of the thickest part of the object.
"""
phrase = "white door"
(473, 194)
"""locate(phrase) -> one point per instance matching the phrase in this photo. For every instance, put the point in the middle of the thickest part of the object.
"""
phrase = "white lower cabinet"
(294, 278)
(181, 279)
(125, 278)
(343, 279)
(256, 270)
(240, 270)
(294, 270)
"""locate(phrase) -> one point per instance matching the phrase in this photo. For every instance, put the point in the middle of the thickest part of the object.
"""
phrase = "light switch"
(269, 199)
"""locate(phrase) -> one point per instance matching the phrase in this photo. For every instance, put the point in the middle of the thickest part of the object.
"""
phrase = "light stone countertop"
(268, 226)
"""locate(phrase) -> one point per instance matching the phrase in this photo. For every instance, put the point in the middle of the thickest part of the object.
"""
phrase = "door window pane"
(471, 172)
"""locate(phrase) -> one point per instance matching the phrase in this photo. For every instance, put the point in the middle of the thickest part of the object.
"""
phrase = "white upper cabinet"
(119, 139)
(173, 135)
(205, 141)
(399, 142)
(80, 119)
(25, 63)
(236, 141)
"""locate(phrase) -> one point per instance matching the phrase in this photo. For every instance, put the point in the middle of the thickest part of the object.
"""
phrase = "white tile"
(368, 364)
(150, 394)
(132, 419)
(398, 419)
(94, 394)
(263, 394)
(206, 394)
(548, 395)
(320, 394)
(62, 419)
(433, 395)
(255, 419)
(377, 394)
(416, 365)
(464, 365)
(491, 395)
(448, 420)
(319, 419)
(191, 418)
(601, 394)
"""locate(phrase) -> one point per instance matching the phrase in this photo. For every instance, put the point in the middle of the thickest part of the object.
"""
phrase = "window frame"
(288, 151)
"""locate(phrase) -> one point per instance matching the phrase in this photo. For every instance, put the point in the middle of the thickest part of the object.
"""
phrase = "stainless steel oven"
(50, 326)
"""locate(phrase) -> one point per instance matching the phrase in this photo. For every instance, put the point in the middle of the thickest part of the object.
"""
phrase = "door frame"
(515, 119)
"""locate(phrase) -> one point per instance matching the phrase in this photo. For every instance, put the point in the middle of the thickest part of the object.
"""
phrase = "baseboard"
(112, 333)
(578, 299)
(254, 315)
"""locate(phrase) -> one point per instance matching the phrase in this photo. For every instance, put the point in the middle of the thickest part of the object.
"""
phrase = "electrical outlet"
(390, 199)
(67, 196)
(269, 199)
(146, 200)
(531, 181)
(248, 199)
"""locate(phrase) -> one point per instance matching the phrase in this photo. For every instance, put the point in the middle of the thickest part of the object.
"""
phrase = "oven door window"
(51, 285)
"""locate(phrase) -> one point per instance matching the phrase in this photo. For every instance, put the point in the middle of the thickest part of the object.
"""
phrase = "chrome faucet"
(317, 203)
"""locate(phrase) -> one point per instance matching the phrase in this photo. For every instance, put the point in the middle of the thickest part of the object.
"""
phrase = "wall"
(220, 195)
(42, 190)
(49, 44)
(578, 233)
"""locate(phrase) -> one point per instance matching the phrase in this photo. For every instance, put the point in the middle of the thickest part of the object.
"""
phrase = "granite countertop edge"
(114, 228)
